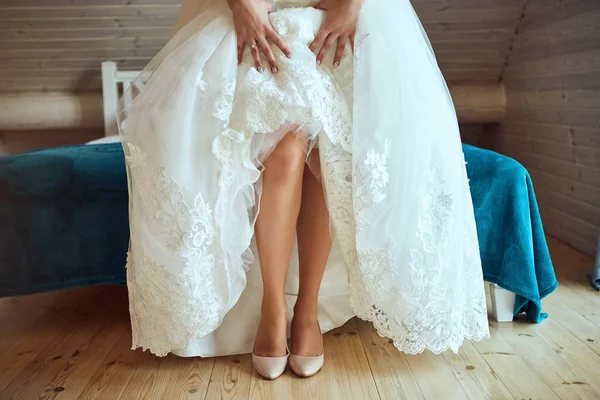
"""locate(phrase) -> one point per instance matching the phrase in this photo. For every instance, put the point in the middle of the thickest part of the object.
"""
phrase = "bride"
(293, 164)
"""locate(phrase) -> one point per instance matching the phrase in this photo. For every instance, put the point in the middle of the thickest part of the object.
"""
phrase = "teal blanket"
(65, 223)
(595, 275)
(512, 244)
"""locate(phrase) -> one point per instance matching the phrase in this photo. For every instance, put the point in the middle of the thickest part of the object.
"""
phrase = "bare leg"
(314, 245)
(275, 231)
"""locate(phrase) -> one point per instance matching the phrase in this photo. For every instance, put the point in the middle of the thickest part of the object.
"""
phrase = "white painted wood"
(110, 97)
(113, 81)
(503, 303)
(127, 95)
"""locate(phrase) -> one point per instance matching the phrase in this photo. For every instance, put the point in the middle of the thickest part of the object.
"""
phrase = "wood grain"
(51, 368)
(577, 190)
(230, 378)
(49, 37)
(17, 142)
(346, 374)
(435, 377)
(502, 357)
(88, 329)
(475, 375)
(546, 363)
(552, 122)
(391, 371)
(116, 370)
(565, 99)
(475, 103)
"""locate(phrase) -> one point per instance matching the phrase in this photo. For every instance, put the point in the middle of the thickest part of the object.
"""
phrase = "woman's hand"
(339, 25)
(253, 28)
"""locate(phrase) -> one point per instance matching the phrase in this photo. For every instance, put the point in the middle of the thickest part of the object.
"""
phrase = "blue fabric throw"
(65, 224)
(64, 219)
(595, 275)
(512, 244)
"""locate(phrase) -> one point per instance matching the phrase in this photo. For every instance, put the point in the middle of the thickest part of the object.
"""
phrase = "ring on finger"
(253, 45)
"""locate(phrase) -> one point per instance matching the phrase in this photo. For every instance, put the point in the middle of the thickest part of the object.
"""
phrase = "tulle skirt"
(405, 252)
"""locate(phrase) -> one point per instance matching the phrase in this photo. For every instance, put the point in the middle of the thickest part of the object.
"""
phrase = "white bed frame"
(115, 82)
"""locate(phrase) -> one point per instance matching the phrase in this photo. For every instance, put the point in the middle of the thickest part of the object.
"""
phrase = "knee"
(287, 160)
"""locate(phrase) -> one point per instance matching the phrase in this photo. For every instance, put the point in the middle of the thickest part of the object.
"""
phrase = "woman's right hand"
(253, 29)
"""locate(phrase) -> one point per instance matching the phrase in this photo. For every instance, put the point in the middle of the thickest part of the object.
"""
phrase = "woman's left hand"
(339, 26)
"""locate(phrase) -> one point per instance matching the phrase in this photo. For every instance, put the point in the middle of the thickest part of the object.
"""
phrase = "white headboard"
(111, 79)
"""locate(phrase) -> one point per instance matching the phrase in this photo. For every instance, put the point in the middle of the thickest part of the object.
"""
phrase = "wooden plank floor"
(75, 345)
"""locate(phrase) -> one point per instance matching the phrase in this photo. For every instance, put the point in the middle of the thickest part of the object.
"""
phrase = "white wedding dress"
(405, 253)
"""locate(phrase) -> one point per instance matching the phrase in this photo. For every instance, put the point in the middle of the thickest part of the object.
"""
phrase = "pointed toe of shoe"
(269, 367)
(305, 366)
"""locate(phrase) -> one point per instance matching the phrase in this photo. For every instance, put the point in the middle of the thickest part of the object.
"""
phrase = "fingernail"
(318, 62)
(336, 64)
(289, 55)
(274, 69)
(260, 69)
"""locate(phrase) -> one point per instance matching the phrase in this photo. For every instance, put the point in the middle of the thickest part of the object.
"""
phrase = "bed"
(64, 219)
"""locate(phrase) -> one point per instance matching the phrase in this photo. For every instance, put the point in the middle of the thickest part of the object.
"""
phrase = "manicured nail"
(318, 62)
(336, 64)
(274, 70)
(289, 55)
(260, 69)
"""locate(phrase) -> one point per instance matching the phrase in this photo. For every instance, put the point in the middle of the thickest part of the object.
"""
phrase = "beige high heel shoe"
(270, 368)
(306, 366)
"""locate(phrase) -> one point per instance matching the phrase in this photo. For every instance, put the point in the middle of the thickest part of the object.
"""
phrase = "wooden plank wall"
(59, 44)
(15, 142)
(553, 114)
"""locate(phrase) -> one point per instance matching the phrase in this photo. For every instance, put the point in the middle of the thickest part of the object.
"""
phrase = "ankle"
(306, 311)
(274, 307)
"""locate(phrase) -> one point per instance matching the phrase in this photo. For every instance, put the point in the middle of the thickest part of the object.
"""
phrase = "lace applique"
(371, 179)
(358, 46)
(222, 150)
(299, 93)
(160, 198)
(435, 314)
(165, 305)
(186, 230)
(223, 105)
(450, 320)
(201, 83)
(344, 74)
(377, 165)
(375, 266)
(336, 172)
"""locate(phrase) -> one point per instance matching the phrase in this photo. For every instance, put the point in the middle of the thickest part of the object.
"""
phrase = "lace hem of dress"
(426, 316)
(164, 303)
(168, 302)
